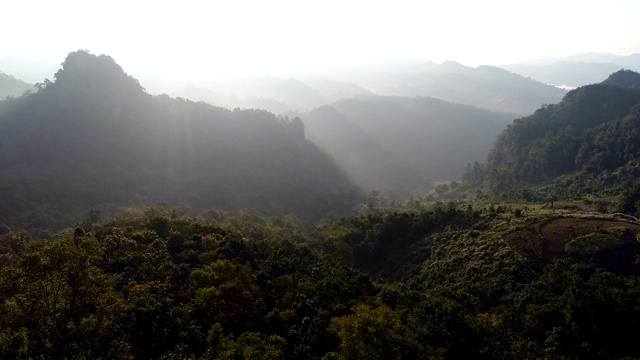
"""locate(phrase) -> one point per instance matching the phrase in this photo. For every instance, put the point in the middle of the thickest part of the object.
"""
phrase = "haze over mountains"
(321, 180)
(277, 95)
(10, 86)
(96, 128)
(398, 142)
(575, 70)
(146, 226)
(92, 138)
(490, 274)
(402, 144)
(484, 87)
(488, 87)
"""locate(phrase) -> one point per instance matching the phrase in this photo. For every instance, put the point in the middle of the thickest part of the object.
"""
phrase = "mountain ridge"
(108, 142)
(401, 144)
(580, 146)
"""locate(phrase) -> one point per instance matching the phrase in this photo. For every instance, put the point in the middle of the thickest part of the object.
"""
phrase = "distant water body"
(563, 86)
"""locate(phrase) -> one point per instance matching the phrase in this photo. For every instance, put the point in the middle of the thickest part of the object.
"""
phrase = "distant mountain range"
(401, 144)
(630, 61)
(483, 87)
(93, 138)
(575, 70)
(270, 93)
(10, 86)
(398, 142)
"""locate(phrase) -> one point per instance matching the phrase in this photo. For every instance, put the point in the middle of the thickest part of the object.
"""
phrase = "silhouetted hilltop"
(93, 138)
(624, 78)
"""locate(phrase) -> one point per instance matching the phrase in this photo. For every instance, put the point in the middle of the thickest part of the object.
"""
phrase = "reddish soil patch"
(546, 240)
(527, 242)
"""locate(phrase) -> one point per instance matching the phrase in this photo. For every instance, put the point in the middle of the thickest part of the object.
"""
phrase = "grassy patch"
(595, 243)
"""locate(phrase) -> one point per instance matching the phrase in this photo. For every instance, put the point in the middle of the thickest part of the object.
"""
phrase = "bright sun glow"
(196, 39)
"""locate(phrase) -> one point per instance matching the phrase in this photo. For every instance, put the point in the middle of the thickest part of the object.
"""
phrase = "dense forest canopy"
(451, 284)
(586, 144)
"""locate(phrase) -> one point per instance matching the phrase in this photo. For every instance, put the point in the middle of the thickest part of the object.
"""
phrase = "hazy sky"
(183, 39)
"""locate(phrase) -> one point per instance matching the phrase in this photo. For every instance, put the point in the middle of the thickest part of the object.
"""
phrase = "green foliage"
(13, 345)
(624, 78)
(374, 333)
(157, 283)
(67, 295)
(382, 243)
(586, 144)
(594, 243)
(447, 326)
(630, 203)
(228, 292)
(249, 345)
(572, 312)
(453, 281)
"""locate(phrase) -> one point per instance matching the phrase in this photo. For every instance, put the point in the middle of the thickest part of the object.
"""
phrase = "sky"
(200, 39)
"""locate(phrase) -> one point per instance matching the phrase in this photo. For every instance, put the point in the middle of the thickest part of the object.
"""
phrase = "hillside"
(10, 86)
(94, 139)
(399, 144)
(419, 279)
(425, 282)
(585, 144)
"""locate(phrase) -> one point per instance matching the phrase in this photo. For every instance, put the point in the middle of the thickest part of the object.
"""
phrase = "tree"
(372, 333)
(442, 189)
(229, 292)
(71, 300)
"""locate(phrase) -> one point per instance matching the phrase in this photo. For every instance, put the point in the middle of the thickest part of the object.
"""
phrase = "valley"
(149, 226)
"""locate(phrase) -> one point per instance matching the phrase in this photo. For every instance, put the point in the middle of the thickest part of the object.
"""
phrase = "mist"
(320, 180)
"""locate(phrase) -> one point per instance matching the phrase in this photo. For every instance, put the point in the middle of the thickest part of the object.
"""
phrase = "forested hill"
(94, 139)
(400, 143)
(10, 86)
(589, 142)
